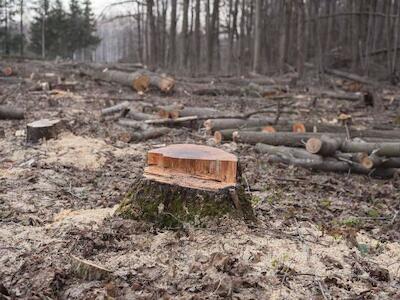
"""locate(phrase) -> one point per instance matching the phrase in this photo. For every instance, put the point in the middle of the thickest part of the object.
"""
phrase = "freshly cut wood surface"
(8, 71)
(194, 160)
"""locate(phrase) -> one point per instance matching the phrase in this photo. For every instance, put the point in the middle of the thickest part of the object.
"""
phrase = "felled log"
(213, 125)
(226, 134)
(372, 161)
(139, 116)
(114, 109)
(381, 149)
(148, 134)
(324, 145)
(274, 139)
(349, 76)
(354, 133)
(136, 80)
(130, 123)
(42, 129)
(165, 84)
(11, 113)
(301, 158)
(343, 96)
(140, 81)
(170, 111)
(187, 184)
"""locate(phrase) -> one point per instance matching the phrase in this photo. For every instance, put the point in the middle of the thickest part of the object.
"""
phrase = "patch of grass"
(325, 203)
(255, 200)
(351, 222)
(373, 213)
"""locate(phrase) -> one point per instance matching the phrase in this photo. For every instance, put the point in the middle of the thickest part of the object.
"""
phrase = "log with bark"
(324, 145)
(115, 108)
(343, 96)
(350, 76)
(226, 134)
(213, 125)
(147, 134)
(290, 139)
(140, 81)
(187, 184)
(301, 158)
(183, 122)
(139, 116)
(381, 149)
(11, 113)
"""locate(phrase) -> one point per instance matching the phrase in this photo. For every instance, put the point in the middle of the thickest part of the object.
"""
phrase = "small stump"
(42, 129)
(187, 184)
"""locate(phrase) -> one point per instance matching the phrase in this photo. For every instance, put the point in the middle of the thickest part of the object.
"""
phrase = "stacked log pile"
(377, 156)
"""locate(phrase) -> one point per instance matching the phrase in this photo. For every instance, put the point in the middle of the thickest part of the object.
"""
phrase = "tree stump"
(42, 129)
(186, 183)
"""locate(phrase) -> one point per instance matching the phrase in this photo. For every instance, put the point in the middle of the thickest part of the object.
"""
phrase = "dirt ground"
(318, 235)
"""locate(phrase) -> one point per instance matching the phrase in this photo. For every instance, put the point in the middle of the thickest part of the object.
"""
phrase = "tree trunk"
(257, 38)
(185, 33)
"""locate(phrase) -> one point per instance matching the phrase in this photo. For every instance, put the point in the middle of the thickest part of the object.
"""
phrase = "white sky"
(98, 5)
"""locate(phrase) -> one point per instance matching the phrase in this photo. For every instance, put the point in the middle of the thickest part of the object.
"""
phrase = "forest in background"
(215, 36)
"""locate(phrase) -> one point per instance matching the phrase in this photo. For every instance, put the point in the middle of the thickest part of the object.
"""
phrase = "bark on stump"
(42, 129)
(187, 184)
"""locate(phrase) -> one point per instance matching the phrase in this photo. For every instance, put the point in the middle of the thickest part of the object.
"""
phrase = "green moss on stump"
(171, 205)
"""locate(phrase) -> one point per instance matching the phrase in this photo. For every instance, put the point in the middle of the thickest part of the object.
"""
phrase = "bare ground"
(318, 235)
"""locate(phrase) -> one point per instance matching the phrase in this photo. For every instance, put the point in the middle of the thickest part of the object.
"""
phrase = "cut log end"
(195, 161)
(299, 128)
(208, 125)
(42, 129)
(141, 83)
(314, 145)
(8, 71)
(218, 137)
(367, 162)
(167, 84)
(269, 129)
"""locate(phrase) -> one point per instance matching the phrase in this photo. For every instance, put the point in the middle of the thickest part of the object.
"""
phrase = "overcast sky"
(98, 5)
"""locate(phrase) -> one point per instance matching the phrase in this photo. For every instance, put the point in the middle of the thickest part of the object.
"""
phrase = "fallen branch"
(114, 109)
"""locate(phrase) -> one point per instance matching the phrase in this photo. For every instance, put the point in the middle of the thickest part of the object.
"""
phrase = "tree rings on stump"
(187, 184)
(42, 129)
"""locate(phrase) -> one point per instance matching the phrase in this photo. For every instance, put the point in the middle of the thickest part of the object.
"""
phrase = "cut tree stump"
(42, 129)
(187, 183)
